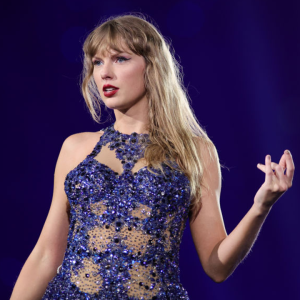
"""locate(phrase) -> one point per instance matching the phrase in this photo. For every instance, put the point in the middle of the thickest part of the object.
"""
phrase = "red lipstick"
(109, 90)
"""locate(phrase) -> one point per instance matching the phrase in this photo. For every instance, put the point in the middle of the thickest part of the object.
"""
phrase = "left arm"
(220, 253)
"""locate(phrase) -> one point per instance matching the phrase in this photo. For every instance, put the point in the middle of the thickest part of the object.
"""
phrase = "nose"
(107, 71)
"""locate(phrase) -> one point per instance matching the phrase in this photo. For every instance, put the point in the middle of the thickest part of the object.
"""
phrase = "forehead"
(112, 47)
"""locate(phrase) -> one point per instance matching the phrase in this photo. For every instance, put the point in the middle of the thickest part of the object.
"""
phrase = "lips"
(109, 90)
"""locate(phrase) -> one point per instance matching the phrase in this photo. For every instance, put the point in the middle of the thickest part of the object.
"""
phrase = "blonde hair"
(173, 128)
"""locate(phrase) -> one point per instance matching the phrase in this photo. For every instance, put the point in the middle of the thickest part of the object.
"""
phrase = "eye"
(121, 59)
(96, 62)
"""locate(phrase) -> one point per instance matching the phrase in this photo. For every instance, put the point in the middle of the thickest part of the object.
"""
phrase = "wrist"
(261, 209)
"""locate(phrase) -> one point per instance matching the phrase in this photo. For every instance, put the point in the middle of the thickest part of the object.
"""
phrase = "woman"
(122, 195)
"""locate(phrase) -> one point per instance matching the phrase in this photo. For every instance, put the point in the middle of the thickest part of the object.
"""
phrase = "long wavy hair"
(174, 131)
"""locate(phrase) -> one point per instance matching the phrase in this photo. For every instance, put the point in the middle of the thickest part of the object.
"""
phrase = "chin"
(113, 103)
(110, 103)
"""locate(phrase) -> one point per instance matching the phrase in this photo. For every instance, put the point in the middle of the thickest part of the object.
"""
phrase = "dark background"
(242, 69)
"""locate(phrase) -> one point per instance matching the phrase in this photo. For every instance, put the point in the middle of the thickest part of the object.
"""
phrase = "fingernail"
(287, 151)
(269, 157)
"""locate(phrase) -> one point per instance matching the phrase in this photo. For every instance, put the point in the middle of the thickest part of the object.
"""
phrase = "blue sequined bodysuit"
(125, 229)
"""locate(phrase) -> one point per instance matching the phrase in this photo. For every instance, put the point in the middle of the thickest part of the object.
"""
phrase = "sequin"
(125, 229)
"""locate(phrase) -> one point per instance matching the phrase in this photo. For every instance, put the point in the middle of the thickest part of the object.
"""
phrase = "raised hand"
(278, 180)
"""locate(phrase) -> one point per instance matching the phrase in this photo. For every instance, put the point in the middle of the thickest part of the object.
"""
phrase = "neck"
(137, 127)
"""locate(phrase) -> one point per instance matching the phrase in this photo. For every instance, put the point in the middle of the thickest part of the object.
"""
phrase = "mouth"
(109, 90)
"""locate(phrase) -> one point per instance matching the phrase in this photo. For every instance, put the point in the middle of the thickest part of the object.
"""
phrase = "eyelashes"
(121, 59)
(96, 62)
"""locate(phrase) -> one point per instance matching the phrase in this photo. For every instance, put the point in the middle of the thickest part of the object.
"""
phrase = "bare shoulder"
(77, 146)
(207, 151)
(82, 140)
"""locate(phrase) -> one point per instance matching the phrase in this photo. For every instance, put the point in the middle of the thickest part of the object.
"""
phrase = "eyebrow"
(113, 55)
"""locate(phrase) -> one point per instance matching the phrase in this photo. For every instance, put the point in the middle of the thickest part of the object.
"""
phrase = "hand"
(276, 181)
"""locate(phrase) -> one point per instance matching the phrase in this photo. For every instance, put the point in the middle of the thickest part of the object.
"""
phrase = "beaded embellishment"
(128, 148)
(125, 229)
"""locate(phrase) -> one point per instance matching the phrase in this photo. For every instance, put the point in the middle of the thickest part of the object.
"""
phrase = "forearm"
(227, 254)
(33, 279)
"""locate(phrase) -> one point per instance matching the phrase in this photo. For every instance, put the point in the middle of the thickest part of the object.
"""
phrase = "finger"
(282, 161)
(269, 171)
(274, 165)
(290, 167)
(263, 167)
(279, 172)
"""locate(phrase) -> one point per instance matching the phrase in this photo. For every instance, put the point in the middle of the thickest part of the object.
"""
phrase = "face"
(120, 78)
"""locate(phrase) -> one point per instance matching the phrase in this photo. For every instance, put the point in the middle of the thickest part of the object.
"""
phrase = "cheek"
(97, 80)
(135, 80)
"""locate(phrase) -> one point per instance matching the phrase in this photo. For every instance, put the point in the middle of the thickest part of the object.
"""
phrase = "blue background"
(242, 68)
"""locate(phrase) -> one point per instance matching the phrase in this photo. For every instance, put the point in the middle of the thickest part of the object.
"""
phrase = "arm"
(41, 265)
(220, 253)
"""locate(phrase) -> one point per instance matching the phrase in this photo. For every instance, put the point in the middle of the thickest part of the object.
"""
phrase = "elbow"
(218, 271)
(218, 278)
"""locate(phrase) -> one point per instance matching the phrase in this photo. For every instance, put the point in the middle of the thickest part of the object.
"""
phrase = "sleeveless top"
(125, 229)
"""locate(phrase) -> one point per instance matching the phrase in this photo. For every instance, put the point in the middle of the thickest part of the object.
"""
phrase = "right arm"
(48, 253)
